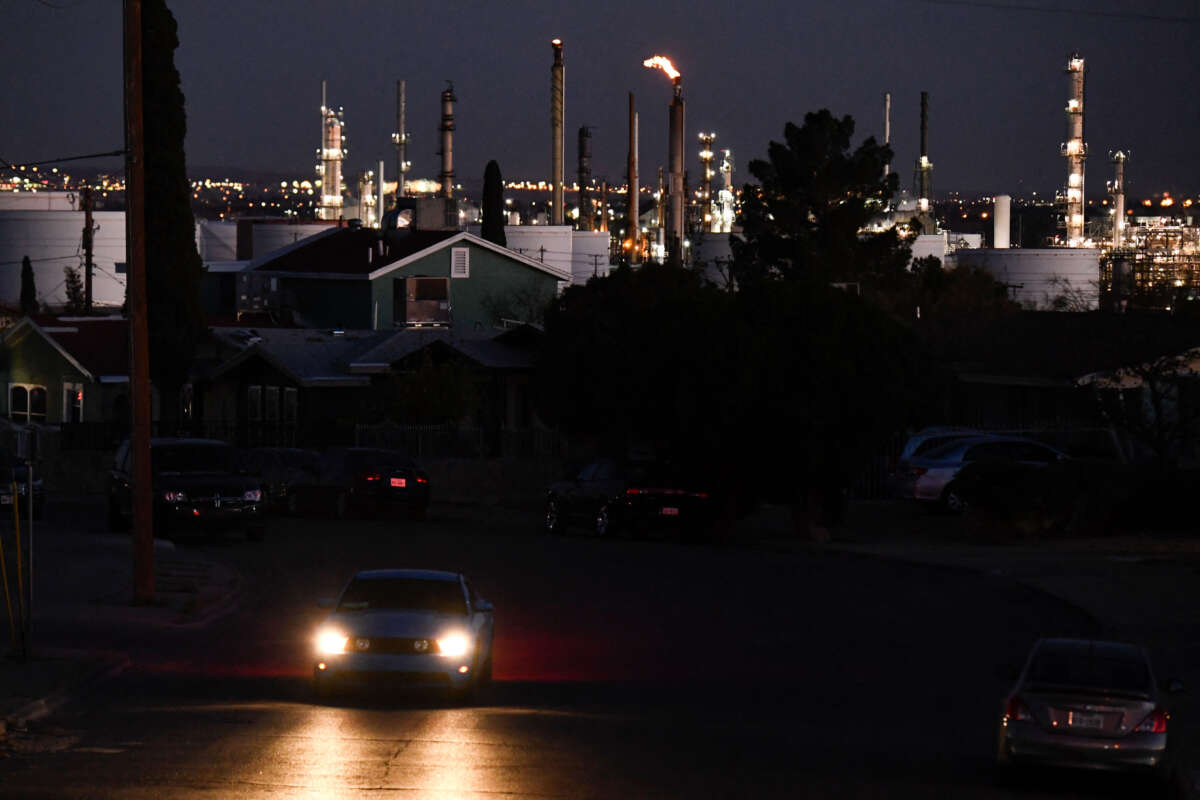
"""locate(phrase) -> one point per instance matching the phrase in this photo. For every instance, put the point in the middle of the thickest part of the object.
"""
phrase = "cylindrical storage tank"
(267, 237)
(1001, 221)
(1037, 277)
(216, 239)
(53, 240)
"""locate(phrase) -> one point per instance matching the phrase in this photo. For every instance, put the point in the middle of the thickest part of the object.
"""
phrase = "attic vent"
(460, 262)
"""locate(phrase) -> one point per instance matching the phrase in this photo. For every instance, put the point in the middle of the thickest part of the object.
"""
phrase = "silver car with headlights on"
(1083, 703)
(405, 628)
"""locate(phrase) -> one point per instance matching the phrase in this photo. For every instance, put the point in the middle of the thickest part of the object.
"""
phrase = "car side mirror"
(325, 602)
(483, 605)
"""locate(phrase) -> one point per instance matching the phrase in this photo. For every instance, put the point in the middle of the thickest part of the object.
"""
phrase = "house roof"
(488, 350)
(360, 253)
(1059, 348)
(310, 357)
(97, 346)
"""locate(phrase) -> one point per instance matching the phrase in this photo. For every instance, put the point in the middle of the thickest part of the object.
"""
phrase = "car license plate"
(1090, 721)
(670, 512)
(399, 483)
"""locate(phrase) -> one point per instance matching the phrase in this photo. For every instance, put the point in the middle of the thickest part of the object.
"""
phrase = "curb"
(225, 604)
(43, 706)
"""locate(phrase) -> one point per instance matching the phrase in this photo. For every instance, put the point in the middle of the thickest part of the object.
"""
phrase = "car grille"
(393, 645)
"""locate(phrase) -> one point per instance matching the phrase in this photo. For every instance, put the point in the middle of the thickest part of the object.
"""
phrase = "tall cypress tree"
(492, 228)
(173, 266)
(29, 303)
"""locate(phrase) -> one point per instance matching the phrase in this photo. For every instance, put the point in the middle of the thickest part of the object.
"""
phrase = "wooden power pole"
(89, 230)
(139, 361)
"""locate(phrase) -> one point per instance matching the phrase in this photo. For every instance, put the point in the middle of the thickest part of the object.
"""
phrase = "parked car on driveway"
(1083, 703)
(284, 471)
(935, 476)
(612, 495)
(366, 480)
(406, 628)
(196, 486)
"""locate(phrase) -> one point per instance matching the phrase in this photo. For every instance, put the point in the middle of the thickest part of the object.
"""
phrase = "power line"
(1079, 12)
(11, 165)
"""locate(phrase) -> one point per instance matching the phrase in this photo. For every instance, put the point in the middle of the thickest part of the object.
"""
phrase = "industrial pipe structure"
(633, 223)
(585, 179)
(447, 131)
(675, 147)
(1075, 149)
(556, 132)
(331, 155)
(1116, 188)
(400, 138)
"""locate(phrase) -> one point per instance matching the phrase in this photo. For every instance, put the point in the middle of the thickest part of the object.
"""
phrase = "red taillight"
(633, 491)
(1155, 722)
(370, 477)
(1016, 709)
(422, 480)
(701, 495)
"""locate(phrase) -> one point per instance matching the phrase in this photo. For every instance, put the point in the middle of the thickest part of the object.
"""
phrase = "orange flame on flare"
(663, 63)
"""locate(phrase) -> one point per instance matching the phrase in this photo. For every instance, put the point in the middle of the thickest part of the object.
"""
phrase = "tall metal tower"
(556, 132)
(925, 173)
(1116, 188)
(401, 139)
(706, 164)
(447, 131)
(1075, 149)
(586, 215)
(331, 154)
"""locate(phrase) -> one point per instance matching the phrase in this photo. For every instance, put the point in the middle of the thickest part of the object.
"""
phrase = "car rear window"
(176, 458)
(403, 594)
(1081, 670)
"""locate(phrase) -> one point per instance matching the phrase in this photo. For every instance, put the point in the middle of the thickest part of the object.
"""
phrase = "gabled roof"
(310, 357)
(360, 253)
(96, 346)
(487, 350)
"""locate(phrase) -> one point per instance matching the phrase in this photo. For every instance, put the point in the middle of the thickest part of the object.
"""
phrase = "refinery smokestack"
(925, 173)
(676, 188)
(633, 223)
(556, 133)
(447, 130)
(585, 178)
(400, 139)
(1076, 151)
(887, 128)
(1116, 188)
(604, 206)
(1001, 221)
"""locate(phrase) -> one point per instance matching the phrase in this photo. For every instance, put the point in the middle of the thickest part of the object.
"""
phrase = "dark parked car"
(366, 480)
(197, 486)
(284, 471)
(612, 495)
(16, 470)
(1081, 703)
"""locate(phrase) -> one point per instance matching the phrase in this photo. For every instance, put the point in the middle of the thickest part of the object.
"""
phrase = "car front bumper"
(1028, 743)
(208, 514)
(395, 670)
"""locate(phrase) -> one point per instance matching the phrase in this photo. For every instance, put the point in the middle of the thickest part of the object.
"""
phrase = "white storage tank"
(53, 240)
(1037, 277)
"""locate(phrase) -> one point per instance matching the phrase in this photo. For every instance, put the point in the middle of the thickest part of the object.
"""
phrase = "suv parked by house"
(197, 487)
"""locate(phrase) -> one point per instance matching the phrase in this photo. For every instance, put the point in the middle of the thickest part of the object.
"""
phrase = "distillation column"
(331, 154)
(1116, 188)
(585, 179)
(1075, 149)
(632, 197)
(556, 133)
(447, 151)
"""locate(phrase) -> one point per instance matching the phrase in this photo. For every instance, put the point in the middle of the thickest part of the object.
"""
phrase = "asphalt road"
(623, 669)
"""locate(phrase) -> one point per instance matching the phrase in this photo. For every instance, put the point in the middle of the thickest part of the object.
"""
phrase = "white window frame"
(28, 413)
(460, 262)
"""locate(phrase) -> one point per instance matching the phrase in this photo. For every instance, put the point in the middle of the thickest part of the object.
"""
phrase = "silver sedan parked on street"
(932, 477)
(406, 628)
(1083, 703)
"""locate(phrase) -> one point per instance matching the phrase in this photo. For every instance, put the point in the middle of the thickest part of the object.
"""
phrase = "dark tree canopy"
(804, 219)
(492, 228)
(173, 267)
(29, 303)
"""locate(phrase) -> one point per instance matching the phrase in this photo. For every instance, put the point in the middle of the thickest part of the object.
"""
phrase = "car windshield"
(1081, 670)
(403, 594)
(177, 458)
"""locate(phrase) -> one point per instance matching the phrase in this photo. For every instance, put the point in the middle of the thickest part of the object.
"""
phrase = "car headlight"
(253, 495)
(175, 497)
(330, 642)
(453, 645)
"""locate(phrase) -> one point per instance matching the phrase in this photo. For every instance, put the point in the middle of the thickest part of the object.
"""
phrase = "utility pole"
(88, 238)
(139, 340)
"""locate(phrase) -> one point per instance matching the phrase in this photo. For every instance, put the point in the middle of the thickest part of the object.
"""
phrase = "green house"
(354, 278)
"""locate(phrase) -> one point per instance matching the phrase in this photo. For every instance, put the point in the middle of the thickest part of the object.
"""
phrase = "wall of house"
(328, 302)
(497, 286)
(31, 360)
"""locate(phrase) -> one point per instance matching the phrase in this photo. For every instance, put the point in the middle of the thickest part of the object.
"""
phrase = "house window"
(291, 406)
(72, 405)
(272, 395)
(254, 403)
(26, 403)
(460, 262)
(421, 302)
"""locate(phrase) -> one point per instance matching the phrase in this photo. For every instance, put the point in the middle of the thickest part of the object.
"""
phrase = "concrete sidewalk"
(83, 590)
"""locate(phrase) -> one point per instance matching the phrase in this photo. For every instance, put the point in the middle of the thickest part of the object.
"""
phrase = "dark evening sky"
(994, 68)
